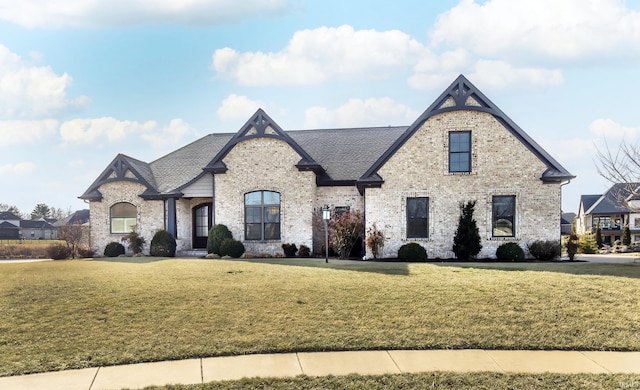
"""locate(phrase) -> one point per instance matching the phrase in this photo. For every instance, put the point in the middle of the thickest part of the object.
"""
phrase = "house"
(268, 185)
(9, 226)
(611, 212)
(566, 223)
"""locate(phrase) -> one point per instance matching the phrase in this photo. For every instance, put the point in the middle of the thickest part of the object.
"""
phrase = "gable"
(123, 168)
(260, 125)
(462, 95)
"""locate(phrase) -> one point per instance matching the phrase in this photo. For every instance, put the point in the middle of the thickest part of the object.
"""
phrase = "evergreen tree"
(626, 236)
(466, 243)
(599, 242)
(41, 211)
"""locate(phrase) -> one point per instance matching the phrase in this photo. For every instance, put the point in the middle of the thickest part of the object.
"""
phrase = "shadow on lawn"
(626, 270)
(391, 268)
(132, 260)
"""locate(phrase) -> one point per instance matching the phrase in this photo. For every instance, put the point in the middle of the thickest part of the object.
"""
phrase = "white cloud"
(28, 91)
(500, 74)
(109, 130)
(26, 132)
(314, 56)
(19, 169)
(567, 29)
(98, 13)
(610, 130)
(84, 131)
(358, 112)
(169, 136)
(235, 107)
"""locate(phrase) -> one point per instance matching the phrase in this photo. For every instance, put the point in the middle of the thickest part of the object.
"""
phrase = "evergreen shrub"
(114, 249)
(163, 244)
(217, 234)
(231, 247)
(545, 249)
(412, 252)
(289, 250)
(304, 251)
(510, 251)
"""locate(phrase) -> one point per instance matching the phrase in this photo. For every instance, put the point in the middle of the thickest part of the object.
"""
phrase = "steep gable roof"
(463, 95)
(261, 125)
(612, 201)
(124, 168)
(8, 216)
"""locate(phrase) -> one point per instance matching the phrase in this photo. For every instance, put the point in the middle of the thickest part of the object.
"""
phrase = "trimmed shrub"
(163, 244)
(466, 242)
(217, 234)
(510, 251)
(289, 250)
(545, 250)
(412, 252)
(114, 249)
(85, 252)
(231, 247)
(58, 252)
(587, 244)
(304, 251)
(572, 246)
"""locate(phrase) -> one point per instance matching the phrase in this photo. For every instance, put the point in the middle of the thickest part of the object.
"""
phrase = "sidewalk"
(195, 371)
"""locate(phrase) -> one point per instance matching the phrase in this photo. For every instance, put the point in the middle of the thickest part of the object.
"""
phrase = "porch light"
(326, 216)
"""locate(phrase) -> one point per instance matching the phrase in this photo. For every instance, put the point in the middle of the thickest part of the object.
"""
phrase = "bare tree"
(74, 235)
(621, 167)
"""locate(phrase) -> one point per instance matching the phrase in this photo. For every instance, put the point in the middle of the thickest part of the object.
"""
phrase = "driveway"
(611, 258)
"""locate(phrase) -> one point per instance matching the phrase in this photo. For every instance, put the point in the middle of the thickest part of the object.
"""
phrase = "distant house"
(566, 223)
(9, 226)
(38, 230)
(611, 212)
(268, 185)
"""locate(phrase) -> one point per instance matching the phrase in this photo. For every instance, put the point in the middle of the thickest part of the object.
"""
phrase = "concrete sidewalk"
(195, 371)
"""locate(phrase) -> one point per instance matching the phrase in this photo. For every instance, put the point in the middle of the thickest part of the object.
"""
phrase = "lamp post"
(326, 216)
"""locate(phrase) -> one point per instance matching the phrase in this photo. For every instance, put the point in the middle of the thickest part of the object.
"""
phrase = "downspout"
(364, 217)
(213, 199)
(561, 185)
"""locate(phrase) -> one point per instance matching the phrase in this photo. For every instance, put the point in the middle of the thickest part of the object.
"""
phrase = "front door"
(201, 225)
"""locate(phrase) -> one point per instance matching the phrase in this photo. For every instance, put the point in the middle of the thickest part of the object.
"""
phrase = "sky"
(84, 80)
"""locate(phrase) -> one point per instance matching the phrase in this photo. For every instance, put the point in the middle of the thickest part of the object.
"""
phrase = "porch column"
(172, 226)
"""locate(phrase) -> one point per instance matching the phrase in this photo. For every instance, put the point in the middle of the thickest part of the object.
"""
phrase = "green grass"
(431, 380)
(74, 314)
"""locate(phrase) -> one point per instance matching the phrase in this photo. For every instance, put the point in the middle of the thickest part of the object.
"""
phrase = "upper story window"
(123, 217)
(504, 216)
(417, 217)
(460, 151)
(262, 215)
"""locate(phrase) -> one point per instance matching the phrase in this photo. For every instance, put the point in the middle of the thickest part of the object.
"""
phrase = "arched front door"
(201, 225)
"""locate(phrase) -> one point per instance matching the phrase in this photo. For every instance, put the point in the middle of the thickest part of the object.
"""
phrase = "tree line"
(40, 211)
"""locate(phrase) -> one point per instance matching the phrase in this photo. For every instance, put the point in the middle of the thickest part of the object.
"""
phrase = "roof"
(77, 217)
(7, 225)
(338, 156)
(37, 224)
(612, 201)
(8, 215)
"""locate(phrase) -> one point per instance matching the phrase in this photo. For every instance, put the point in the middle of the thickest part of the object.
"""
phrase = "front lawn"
(73, 314)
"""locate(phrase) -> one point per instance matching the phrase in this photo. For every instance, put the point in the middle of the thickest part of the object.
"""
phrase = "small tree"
(135, 241)
(344, 231)
(571, 245)
(626, 236)
(599, 242)
(73, 235)
(375, 240)
(466, 243)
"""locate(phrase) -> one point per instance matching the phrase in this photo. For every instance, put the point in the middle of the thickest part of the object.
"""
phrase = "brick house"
(268, 185)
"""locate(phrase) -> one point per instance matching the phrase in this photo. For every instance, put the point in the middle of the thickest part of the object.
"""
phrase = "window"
(602, 222)
(262, 215)
(504, 212)
(123, 217)
(417, 217)
(202, 220)
(460, 151)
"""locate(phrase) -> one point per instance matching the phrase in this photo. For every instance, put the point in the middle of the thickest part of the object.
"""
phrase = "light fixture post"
(326, 216)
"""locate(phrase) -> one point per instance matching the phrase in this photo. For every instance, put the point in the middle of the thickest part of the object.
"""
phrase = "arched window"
(262, 215)
(123, 217)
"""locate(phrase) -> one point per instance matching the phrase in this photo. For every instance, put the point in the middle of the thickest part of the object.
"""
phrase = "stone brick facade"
(501, 165)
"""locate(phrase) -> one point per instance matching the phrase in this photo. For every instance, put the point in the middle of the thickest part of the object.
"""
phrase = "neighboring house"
(78, 219)
(9, 226)
(268, 185)
(37, 230)
(611, 211)
(566, 223)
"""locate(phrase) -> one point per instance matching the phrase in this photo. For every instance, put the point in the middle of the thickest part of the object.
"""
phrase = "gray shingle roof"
(612, 201)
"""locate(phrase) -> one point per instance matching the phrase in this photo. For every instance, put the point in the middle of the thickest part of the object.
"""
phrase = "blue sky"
(81, 81)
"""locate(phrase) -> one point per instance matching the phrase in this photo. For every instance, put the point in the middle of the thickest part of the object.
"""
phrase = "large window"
(123, 217)
(417, 217)
(504, 216)
(262, 215)
(460, 151)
